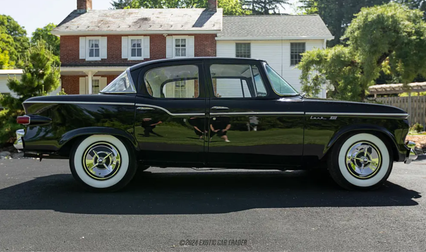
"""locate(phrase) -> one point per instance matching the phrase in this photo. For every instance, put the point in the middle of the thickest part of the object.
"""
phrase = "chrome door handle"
(219, 108)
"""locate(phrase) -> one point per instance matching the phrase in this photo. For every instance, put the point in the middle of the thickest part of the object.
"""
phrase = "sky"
(33, 14)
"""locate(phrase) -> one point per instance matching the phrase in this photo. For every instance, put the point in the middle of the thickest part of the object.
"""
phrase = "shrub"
(417, 127)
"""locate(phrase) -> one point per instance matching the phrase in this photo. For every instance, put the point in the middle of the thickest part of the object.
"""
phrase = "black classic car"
(212, 112)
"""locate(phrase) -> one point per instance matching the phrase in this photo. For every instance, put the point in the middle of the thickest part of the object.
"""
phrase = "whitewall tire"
(102, 162)
(360, 161)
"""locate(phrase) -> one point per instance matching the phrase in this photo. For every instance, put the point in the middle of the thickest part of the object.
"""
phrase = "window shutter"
(190, 46)
(102, 83)
(82, 47)
(124, 48)
(103, 45)
(146, 47)
(83, 86)
(169, 47)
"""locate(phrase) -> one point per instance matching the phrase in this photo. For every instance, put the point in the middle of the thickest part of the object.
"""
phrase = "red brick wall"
(71, 84)
(205, 45)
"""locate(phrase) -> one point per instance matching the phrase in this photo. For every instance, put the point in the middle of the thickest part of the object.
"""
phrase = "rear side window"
(173, 82)
(236, 81)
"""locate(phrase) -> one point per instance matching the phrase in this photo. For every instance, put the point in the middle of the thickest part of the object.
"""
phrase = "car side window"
(173, 82)
(236, 81)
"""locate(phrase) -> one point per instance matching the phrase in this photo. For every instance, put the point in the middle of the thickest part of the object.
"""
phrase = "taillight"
(25, 120)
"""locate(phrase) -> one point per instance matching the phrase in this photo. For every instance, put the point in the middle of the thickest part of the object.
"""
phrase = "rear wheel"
(102, 162)
(360, 161)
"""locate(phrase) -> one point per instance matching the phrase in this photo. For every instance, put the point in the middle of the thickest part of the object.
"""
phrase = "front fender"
(390, 137)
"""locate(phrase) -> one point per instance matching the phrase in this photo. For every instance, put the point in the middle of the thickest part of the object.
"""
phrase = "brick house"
(97, 45)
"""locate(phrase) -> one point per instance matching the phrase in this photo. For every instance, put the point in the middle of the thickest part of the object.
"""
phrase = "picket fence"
(416, 107)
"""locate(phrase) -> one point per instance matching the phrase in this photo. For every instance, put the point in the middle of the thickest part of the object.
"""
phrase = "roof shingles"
(148, 20)
(274, 27)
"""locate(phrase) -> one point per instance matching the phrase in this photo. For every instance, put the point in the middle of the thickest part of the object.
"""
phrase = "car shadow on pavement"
(199, 193)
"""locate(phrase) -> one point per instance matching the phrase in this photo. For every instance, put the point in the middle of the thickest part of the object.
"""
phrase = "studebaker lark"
(212, 112)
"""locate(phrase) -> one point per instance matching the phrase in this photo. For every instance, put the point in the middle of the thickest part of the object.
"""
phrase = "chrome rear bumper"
(413, 153)
(18, 142)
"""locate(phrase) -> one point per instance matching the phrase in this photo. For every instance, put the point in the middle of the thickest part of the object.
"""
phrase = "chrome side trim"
(357, 114)
(144, 108)
(82, 102)
(257, 113)
(147, 106)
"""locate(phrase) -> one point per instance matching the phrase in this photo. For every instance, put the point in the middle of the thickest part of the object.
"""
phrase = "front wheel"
(102, 162)
(360, 161)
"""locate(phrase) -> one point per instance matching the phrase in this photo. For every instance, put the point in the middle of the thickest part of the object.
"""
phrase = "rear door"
(171, 115)
(248, 127)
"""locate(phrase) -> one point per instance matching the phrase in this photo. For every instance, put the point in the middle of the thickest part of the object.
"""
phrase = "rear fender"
(68, 139)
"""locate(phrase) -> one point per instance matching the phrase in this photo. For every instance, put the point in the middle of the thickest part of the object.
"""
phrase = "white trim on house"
(94, 68)
(272, 38)
(11, 71)
(83, 33)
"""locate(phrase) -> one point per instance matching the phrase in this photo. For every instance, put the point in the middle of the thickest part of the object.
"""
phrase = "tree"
(40, 76)
(337, 14)
(13, 38)
(387, 38)
(265, 7)
(4, 59)
(230, 7)
(45, 34)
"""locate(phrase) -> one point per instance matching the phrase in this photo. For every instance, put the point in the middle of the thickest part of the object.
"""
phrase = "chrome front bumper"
(18, 142)
(413, 153)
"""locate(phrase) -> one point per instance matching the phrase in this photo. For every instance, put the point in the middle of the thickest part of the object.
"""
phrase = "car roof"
(242, 60)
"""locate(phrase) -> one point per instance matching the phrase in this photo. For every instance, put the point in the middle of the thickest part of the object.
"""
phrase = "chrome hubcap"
(101, 160)
(363, 160)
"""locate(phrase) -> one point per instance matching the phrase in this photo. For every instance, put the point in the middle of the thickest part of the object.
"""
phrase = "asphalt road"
(42, 208)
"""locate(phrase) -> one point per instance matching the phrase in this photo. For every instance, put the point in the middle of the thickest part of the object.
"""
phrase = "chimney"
(212, 5)
(84, 5)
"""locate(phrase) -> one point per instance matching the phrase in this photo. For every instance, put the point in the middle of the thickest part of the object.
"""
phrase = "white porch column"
(90, 79)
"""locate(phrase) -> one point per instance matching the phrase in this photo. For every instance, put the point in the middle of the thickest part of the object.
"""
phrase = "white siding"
(276, 53)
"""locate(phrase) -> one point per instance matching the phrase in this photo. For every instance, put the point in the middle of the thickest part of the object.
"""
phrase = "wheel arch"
(67, 140)
(385, 135)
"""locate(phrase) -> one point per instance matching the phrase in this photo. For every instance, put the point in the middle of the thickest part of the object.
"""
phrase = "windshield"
(120, 85)
(279, 85)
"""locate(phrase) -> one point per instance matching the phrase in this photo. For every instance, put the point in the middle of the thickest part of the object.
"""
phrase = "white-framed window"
(242, 50)
(296, 50)
(93, 48)
(96, 85)
(180, 47)
(135, 47)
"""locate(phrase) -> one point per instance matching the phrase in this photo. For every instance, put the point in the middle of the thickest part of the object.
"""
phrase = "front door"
(171, 116)
(248, 129)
